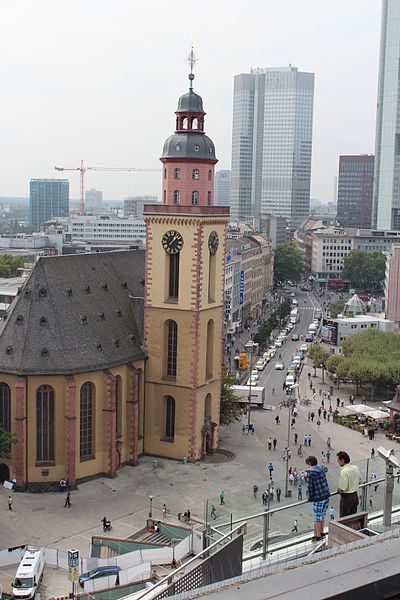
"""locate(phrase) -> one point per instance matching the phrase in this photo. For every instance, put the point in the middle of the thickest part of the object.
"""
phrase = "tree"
(6, 439)
(229, 409)
(318, 355)
(288, 263)
(365, 270)
(262, 336)
(9, 265)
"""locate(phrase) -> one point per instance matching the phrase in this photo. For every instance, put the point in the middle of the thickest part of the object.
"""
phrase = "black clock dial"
(213, 242)
(172, 242)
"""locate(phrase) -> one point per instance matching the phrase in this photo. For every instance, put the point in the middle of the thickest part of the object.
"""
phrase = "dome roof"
(190, 102)
(354, 306)
(189, 145)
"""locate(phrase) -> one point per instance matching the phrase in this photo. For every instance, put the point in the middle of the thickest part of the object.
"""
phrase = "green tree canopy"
(9, 265)
(318, 355)
(365, 270)
(288, 263)
(230, 409)
(371, 357)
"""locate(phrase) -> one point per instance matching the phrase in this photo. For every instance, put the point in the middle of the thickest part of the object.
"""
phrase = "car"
(295, 337)
(298, 357)
(309, 337)
(279, 366)
(99, 572)
(266, 358)
(272, 352)
(252, 381)
(304, 289)
(278, 343)
(303, 348)
(294, 302)
(254, 374)
(292, 295)
(290, 380)
(291, 368)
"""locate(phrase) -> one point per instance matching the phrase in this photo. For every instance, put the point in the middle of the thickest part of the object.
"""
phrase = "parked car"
(290, 380)
(260, 364)
(254, 374)
(279, 366)
(294, 302)
(291, 368)
(304, 289)
(309, 337)
(295, 337)
(278, 343)
(99, 572)
(303, 348)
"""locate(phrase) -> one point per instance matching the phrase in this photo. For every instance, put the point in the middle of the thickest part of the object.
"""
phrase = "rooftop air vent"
(43, 321)
(102, 316)
(20, 319)
(84, 319)
(42, 293)
(68, 291)
(132, 337)
(118, 312)
(87, 289)
(9, 349)
(116, 342)
(105, 286)
(28, 292)
(124, 285)
(99, 348)
(44, 352)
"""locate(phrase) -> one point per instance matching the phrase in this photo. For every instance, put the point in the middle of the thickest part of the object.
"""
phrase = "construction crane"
(83, 168)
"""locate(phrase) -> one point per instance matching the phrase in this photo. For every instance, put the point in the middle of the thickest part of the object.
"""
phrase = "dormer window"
(44, 352)
(43, 321)
(178, 147)
(197, 148)
(20, 319)
(42, 293)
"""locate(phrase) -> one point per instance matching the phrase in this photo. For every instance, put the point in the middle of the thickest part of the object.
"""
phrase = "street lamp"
(390, 461)
(323, 372)
(151, 507)
(249, 352)
(291, 403)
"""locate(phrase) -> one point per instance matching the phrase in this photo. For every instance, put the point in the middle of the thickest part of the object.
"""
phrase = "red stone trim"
(20, 426)
(133, 416)
(71, 430)
(111, 414)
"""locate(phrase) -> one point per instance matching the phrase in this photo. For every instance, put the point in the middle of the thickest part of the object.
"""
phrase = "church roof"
(195, 145)
(75, 314)
(190, 102)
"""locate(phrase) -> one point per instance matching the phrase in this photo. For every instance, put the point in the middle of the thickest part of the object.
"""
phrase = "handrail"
(168, 578)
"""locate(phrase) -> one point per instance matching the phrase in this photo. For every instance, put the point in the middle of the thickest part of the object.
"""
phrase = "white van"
(29, 574)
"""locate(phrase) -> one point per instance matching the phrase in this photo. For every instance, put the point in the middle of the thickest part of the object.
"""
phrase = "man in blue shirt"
(318, 493)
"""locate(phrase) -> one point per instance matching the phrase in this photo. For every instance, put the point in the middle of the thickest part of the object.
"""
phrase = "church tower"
(183, 311)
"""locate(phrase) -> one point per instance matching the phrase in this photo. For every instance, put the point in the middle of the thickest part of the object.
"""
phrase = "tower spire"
(191, 60)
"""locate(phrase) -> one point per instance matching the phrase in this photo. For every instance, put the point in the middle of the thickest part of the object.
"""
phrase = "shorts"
(319, 509)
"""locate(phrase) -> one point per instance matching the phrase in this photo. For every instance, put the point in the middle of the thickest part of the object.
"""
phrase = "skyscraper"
(48, 198)
(386, 203)
(272, 143)
(222, 192)
(355, 187)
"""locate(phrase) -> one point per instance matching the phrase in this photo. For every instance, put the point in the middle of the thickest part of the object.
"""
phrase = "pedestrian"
(164, 510)
(311, 384)
(67, 502)
(264, 498)
(300, 492)
(337, 402)
(10, 502)
(291, 478)
(255, 490)
(318, 424)
(332, 513)
(273, 391)
(320, 392)
(213, 512)
(271, 492)
(274, 442)
(278, 492)
(322, 456)
(349, 481)
(305, 440)
(312, 416)
(325, 412)
(63, 485)
(270, 468)
(309, 416)
(319, 412)
(371, 502)
(295, 526)
(243, 429)
(373, 476)
(309, 376)
(222, 498)
(318, 493)
(328, 456)
(270, 443)
(293, 423)
(372, 452)
(295, 439)
(309, 437)
(253, 430)
(328, 417)
(328, 442)
(277, 419)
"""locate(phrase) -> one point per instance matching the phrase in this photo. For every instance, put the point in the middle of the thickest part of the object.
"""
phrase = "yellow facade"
(198, 312)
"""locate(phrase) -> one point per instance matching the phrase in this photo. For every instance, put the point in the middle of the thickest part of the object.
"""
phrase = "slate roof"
(187, 144)
(75, 314)
(190, 102)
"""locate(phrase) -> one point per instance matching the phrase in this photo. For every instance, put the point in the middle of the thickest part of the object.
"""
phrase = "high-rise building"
(355, 190)
(93, 200)
(386, 202)
(48, 198)
(222, 190)
(272, 144)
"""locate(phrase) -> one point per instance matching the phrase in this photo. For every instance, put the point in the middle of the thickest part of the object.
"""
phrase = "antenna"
(191, 61)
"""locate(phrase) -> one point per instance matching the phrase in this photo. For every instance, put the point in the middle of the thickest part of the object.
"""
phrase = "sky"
(99, 80)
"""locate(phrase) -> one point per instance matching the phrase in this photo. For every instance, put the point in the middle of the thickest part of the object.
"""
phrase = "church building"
(106, 356)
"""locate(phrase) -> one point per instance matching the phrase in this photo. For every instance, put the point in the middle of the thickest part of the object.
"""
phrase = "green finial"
(191, 60)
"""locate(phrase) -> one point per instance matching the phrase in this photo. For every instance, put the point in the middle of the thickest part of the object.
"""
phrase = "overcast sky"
(99, 80)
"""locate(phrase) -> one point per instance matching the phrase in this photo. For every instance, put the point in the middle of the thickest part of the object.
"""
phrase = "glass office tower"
(48, 198)
(272, 144)
(386, 203)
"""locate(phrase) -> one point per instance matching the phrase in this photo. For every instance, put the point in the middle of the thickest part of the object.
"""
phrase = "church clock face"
(213, 242)
(172, 241)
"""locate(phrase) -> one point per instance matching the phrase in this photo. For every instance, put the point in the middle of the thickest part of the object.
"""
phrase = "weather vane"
(191, 60)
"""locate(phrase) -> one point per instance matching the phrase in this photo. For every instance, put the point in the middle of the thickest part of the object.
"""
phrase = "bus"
(257, 396)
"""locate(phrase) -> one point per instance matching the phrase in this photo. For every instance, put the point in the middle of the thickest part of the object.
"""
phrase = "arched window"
(209, 175)
(118, 406)
(173, 279)
(86, 424)
(5, 410)
(209, 198)
(169, 418)
(165, 196)
(207, 406)
(172, 347)
(195, 197)
(45, 424)
(194, 123)
(185, 123)
(177, 196)
(210, 349)
(165, 173)
(177, 173)
(195, 174)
